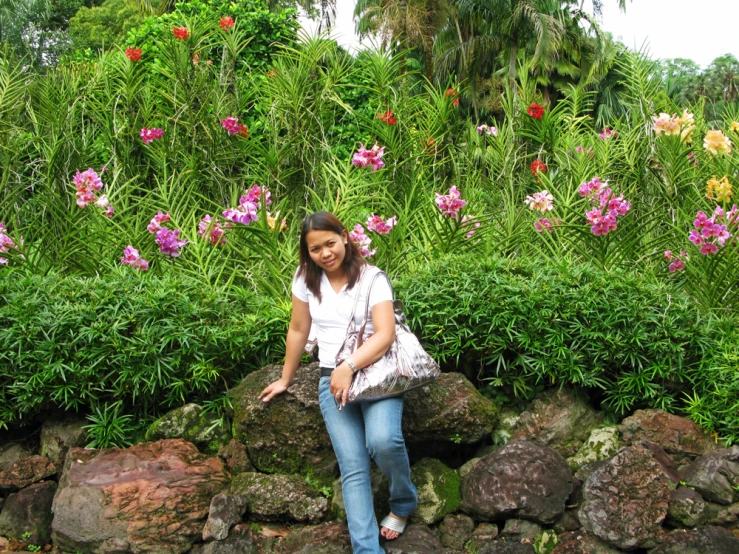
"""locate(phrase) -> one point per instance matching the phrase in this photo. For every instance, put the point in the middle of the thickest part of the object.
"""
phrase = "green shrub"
(149, 342)
(519, 323)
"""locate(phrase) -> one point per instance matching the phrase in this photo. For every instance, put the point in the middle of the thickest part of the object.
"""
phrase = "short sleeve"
(381, 291)
(299, 288)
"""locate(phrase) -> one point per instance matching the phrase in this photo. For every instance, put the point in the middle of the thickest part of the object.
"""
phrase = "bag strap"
(356, 301)
(369, 291)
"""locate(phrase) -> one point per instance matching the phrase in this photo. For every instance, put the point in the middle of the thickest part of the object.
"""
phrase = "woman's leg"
(346, 429)
(383, 428)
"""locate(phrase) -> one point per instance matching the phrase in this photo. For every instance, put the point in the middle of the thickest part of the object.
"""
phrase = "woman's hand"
(272, 390)
(341, 380)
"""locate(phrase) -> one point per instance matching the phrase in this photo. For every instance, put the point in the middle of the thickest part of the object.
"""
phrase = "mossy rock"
(279, 498)
(600, 445)
(545, 542)
(193, 424)
(438, 491)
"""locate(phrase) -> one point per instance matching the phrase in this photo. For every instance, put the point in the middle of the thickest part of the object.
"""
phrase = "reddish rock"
(235, 456)
(625, 500)
(577, 543)
(327, 537)
(26, 471)
(681, 438)
(27, 513)
(152, 497)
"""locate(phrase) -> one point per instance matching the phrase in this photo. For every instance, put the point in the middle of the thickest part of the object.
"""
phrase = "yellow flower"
(719, 190)
(272, 221)
(664, 123)
(687, 125)
(715, 142)
(734, 126)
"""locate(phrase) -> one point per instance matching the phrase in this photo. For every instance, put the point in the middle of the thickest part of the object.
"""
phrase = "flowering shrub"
(272, 221)
(378, 225)
(169, 242)
(150, 135)
(546, 223)
(602, 218)
(362, 241)
(454, 94)
(712, 233)
(450, 203)
(469, 222)
(133, 54)
(369, 158)
(535, 110)
(155, 225)
(232, 125)
(132, 257)
(5, 243)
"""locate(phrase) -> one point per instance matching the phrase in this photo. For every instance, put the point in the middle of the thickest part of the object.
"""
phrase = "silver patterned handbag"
(404, 366)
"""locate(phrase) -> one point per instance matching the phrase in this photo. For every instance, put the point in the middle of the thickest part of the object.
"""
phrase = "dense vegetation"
(547, 227)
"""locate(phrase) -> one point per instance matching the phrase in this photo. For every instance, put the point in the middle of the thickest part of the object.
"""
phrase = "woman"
(323, 293)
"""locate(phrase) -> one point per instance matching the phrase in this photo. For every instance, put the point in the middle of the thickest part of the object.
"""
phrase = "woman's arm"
(383, 322)
(297, 335)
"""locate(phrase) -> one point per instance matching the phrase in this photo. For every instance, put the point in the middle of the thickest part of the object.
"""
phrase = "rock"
(380, 495)
(721, 515)
(326, 538)
(545, 542)
(279, 497)
(286, 435)
(12, 452)
(508, 422)
(520, 529)
(466, 467)
(483, 533)
(495, 489)
(704, 540)
(235, 456)
(450, 411)
(686, 509)
(568, 522)
(240, 541)
(668, 466)
(26, 471)
(58, 436)
(600, 445)
(456, 530)
(507, 547)
(438, 491)
(680, 437)
(625, 501)
(417, 539)
(225, 512)
(149, 497)
(715, 475)
(193, 424)
(577, 543)
(27, 514)
(558, 419)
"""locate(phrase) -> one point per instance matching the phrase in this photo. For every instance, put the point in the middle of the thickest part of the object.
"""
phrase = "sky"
(700, 30)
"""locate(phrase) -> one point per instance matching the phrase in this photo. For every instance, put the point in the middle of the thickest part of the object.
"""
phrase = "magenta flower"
(469, 222)
(87, 183)
(5, 241)
(677, 265)
(131, 257)
(109, 211)
(362, 241)
(169, 242)
(212, 231)
(155, 224)
(246, 211)
(451, 203)
(378, 225)
(602, 218)
(150, 135)
(607, 133)
(372, 157)
(487, 129)
(712, 233)
(546, 224)
(232, 125)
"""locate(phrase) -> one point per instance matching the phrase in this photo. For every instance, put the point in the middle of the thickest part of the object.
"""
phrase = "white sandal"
(394, 524)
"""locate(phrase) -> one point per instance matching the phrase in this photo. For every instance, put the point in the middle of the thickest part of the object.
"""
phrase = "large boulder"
(225, 511)
(456, 530)
(59, 435)
(279, 497)
(417, 539)
(507, 547)
(705, 540)
(715, 475)
(149, 497)
(235, 456)
(240, 541)
(450, 411)
(12, 452)
(625, 500)
(680, 437)
(438, 491)
(522, 480)
(192, 423)
(601, 444)
(687, 508)
(286, 435)
(325, 538)
(520, 529)
(26, 471)
(559, 419)
(27, 514)
(482, 534)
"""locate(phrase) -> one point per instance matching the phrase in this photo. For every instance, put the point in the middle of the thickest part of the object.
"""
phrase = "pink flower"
(212, 231)
(169, 241)
(469, 222)
(594, 185)
(487, 129)
(708, 249)
(378, 225)
(246, 211)
(668, 255)
(86, 184)
(372, 157)
(607, 133)
(542, 201)
(110, 210)
(5, 241)
(3, 261)
(232, 125)
(131, 257)
(547, 224)
(254, 195)
(156, 222)
(451, 203)
(149, 135)
(677, 265)
(362, 241)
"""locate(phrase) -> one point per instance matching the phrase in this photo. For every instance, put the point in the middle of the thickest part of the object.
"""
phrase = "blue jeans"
(358, 431)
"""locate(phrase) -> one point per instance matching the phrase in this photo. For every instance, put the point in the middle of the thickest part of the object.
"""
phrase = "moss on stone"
(438, 490)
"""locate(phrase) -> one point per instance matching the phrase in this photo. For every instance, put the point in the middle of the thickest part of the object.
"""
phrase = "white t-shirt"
(331, 315)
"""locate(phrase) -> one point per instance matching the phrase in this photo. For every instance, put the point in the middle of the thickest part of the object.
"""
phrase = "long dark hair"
(353, 261)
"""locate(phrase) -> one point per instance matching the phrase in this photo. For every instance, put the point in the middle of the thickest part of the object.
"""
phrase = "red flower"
(227, 23)
(387, 117)
(454, 94)
(181, 33)
(537, 166)
(133, 54)
(243, 131)
(429, 146)
(535, 110)
(272, 73)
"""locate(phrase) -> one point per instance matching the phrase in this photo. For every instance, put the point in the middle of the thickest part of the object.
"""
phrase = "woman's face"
(327, 249)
